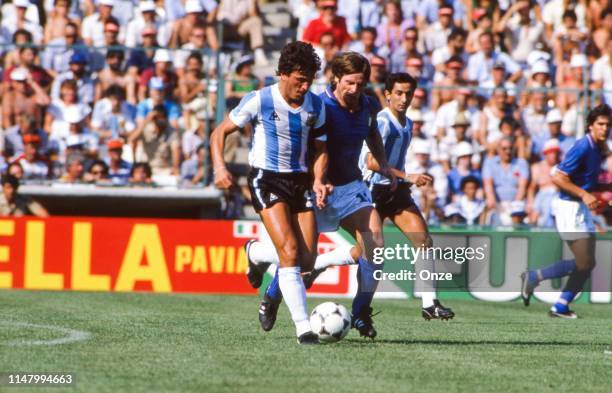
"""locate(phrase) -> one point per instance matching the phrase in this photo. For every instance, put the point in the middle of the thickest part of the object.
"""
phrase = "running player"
(283, 115)
(350, 121)
(576, 176)
(397, 204)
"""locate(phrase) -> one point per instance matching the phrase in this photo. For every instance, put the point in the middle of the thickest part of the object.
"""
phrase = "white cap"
(21, 3)
(579, 60)
(551, 144)
(540, 67)
(73, 115)
(74, 141)
(417, 116)
(463, 149)
(421, 146)
(147, 5)
(193, 6)
(110, 3)
(554, 116)
(19, 74)
(161, 55)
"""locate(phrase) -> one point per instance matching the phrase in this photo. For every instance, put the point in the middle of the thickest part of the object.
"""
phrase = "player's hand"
(321, 191)
(223, 178)
(419, 180)
(388, 173)
(591, 201)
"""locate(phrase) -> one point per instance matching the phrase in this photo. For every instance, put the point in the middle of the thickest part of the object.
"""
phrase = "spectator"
(428, 11)
(111, 42)
(533, 118)
(455, 47)
(391, 32)
(569, 35)
(499, 80)
(193, 92)
(13, 137)
(194, 16)
(114, 74)
(14, 204)
(242, 82)
(366, 44)
(97, 173)
(113, 116)
(603, 33)
(141, 174)
(18, 20)
(601, 73)
(378, 75)
(194, 170)
(19, 38)
(415, 67)
(197, 44)
(572, 78)
(162, 70)
(75, 135)
(542, 190)
(75, 169)
(462, 169)
(33, 164)
(57, 21)
(28, 59)
(492, 114)
(418, 107)
(141, 58)
(304, 11)
(436, 35)
(157, 97)
(481, 63)
(158, 143)
(444, 91)
(505, 180)
(422, 150)
(195, 137)
(328, 21)
(55, 123)
(520, 33)
(86, 86)
(240, 19)
(326, 49)
(448, 113)
(56, 57)
(93, 26)
(148, 18)
(15, 169)
(553, 131)
(469, 206)
(25, 97)
(118, 169)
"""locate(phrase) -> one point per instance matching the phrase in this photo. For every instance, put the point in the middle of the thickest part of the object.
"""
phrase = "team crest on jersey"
(311, 119)
(274, 116)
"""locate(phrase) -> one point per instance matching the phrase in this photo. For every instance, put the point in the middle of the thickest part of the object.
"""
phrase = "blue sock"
(562, 305)
(366, 285)
(273, 291)
(558, 269)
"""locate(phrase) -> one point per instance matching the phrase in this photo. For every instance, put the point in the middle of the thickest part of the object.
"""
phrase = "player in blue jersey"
(283, 116)
(350, 121)
(576, 176)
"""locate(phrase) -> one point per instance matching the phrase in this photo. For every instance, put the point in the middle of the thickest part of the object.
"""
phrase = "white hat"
(73, 115)
(540, 67)
(147, 5)
(579, 60)
(517, 208)
(19, 74)
(110, 3)
(74, 141)
(450, 210)
(417, 116)
(161, 55)
(193, 6)
(554, 116)
(421, 146)
(21, 3)
(463, 149)
(551, 144)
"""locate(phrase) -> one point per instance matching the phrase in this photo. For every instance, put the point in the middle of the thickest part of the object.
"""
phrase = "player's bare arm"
(377, 149)
(563, 181)
(320, 186)
(223, 178)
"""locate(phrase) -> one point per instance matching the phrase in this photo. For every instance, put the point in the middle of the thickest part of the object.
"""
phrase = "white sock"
(427, 288)
(294, 294)
(340, 256)
(261, 252)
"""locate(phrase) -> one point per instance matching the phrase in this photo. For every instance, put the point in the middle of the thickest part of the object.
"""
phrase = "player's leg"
(339, 256)
(411, 223)
(532, 278)
(584, 252)
(366, 227)
(280, 225)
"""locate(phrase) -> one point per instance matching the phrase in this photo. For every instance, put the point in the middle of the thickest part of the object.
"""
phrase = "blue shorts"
(343, 201)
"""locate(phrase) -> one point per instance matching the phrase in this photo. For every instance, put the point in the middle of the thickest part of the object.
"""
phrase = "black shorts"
(388, 203)
(268, 188)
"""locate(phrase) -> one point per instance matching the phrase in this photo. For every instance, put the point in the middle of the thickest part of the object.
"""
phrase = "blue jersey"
(346, 133)
(396, 140)
(280, 132)
(582, 164)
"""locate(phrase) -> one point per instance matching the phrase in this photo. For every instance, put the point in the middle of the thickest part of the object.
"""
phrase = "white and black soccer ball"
(330, 321)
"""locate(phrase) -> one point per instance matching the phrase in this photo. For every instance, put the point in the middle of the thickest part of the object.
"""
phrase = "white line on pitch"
(71, 334)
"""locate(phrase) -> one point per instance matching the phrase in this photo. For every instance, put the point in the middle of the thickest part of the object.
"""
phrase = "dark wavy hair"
(400, 77)
(298, 56)
(599, 110)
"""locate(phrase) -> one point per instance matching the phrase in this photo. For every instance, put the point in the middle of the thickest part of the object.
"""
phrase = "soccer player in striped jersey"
(577, 178)
(283, 116)
(396, 203)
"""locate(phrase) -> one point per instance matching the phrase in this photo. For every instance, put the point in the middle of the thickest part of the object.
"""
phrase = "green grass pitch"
(196, 343)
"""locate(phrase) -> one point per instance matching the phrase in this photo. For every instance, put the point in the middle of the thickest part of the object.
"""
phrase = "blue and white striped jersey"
(396, 140)
(280, 132)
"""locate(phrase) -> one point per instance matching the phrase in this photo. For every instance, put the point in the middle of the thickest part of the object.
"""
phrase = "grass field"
(178, 343)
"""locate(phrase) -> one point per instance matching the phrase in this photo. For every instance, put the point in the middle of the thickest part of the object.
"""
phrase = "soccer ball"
(330, 321)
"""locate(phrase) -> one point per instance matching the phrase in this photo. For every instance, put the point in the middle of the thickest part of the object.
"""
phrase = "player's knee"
(288, 254)
(424, 240)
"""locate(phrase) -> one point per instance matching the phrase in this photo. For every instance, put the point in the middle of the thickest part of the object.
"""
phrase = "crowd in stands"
(123, 92)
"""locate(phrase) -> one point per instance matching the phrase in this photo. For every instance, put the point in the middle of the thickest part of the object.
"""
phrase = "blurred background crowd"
(126, 92)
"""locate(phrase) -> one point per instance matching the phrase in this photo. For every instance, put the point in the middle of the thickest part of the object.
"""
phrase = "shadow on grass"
(460, 343)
